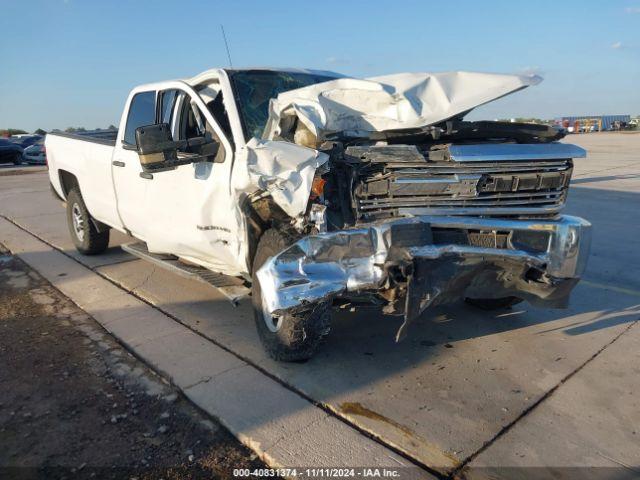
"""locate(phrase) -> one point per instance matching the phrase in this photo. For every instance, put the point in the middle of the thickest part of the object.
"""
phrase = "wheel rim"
(78, 221)
(272, 323)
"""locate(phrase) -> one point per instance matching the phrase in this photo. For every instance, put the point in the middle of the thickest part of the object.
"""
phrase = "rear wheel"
(289, 337)
(493, 303)
(86, 237)
(17, 159)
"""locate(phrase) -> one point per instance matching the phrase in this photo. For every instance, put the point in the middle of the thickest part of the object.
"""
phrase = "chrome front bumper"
(403, 262)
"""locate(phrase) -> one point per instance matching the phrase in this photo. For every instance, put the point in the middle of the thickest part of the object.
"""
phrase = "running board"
(231, 287)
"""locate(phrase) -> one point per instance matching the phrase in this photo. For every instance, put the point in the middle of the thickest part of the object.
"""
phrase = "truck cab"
(187, 209)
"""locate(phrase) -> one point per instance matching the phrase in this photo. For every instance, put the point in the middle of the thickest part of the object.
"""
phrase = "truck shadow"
(608, 178)
(607, 319)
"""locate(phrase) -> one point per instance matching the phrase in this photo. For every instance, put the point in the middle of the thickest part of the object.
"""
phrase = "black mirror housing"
(155, 145)
(158, 151)
(205, 146)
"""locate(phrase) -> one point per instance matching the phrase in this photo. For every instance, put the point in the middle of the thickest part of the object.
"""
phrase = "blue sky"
(72, 62)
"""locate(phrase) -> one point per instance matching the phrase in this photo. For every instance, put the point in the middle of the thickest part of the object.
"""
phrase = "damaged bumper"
(413, 263)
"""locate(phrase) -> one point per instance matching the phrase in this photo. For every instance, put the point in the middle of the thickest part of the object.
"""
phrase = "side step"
(231, 287)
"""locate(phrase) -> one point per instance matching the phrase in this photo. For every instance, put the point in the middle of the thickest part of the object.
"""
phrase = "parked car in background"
(10, 152)
(26, 140)
(35, 154)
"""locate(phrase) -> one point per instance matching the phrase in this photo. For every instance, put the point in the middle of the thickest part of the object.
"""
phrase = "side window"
(167, 104)
(216, 107)
(142, 112)
(191, 121)
(192, 124)
(212, 96)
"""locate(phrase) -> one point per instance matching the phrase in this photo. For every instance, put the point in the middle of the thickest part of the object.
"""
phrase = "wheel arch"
(261, 214)
(67, 181)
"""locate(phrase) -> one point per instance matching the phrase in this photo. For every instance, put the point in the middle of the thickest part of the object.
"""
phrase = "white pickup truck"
(311, 190)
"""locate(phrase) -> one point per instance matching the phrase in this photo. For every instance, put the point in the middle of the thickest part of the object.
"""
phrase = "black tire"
(87, 239)
(493, 303)
(297, 336)
(17, 159)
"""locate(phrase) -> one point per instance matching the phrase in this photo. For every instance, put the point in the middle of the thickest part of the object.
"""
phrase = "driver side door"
(181, 202)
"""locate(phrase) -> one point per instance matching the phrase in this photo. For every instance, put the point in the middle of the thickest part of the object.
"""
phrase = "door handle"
(117, 163)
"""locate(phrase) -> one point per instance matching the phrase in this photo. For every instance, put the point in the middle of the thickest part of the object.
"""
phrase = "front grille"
(474, 238)
(462, 188)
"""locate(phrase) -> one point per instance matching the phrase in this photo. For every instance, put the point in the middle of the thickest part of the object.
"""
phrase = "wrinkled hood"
(355, 108)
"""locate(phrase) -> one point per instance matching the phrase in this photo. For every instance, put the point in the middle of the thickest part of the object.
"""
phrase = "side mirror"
(155, 146)
(206, 147)
(159, 152)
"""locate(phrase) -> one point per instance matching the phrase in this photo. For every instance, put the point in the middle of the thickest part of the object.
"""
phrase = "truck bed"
(84, 159)
(105, 137)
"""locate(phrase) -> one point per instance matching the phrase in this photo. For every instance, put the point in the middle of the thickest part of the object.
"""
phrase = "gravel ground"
(75, 404)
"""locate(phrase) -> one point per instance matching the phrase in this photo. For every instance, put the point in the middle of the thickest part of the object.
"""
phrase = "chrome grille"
(463, 188)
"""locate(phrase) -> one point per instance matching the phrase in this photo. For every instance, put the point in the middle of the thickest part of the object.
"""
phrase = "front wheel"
(17, 159)
(86, 237)
(290, 337)
(493, 303)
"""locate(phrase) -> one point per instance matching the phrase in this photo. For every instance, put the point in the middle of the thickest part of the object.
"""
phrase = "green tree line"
(8, 132)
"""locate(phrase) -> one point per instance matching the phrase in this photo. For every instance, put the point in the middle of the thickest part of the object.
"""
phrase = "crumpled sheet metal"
(285, 170)
(322, 267)
(390, 102)
(456, 272)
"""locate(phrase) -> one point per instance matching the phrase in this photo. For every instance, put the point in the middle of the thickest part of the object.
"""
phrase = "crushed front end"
(410, 226)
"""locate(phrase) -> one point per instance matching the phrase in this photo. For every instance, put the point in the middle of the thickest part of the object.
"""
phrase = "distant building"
(593, 123)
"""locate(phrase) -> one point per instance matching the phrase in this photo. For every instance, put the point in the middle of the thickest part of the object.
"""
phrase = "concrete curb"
(284, 429)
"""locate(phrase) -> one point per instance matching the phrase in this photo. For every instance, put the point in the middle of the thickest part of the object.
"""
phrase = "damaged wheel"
(293, 336)
(493, 303)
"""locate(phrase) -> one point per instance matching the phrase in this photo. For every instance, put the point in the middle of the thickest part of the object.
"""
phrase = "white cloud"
(617, 45)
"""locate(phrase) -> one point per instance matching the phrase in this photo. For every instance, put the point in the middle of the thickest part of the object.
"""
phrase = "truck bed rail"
(104, 137)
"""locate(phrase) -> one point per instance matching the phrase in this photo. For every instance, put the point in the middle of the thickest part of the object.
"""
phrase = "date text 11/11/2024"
(318, 472)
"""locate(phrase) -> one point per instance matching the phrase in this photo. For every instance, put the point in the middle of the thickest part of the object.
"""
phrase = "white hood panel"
(390, 102)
